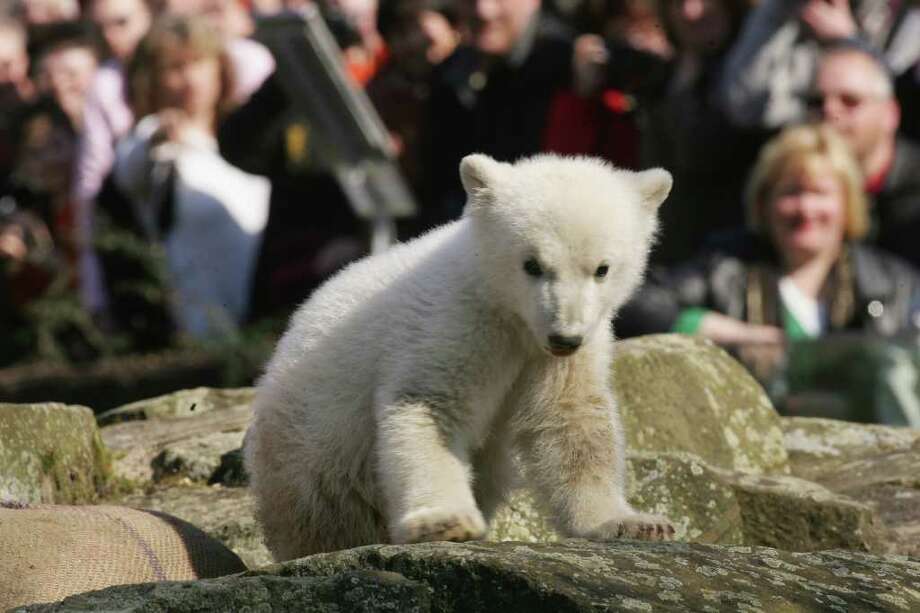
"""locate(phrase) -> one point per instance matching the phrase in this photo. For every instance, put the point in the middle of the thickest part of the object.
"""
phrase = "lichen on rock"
(51, 453)
(680, 393)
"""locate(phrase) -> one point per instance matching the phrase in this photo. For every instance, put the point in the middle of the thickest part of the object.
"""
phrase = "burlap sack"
(49, 552)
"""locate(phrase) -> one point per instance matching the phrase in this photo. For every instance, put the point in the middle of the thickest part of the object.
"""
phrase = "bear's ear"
(479, 172)
(654, 186)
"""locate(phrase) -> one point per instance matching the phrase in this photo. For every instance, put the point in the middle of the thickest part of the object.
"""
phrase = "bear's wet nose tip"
(564, 343)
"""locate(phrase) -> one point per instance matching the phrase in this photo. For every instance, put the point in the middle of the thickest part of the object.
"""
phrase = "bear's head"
(561, 242)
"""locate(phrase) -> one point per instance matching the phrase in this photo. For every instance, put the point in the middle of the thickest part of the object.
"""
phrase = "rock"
(197, 459)
(681, 393)
(818, 446)
(877, 465)
(358, 591)
(224, 513)
(692, 494)
(890, 484)
(174, 440)
(798, 515)
(519, 519)
(51, 453)
(231, 471)
(711, 505)
(573, 576)
(184, 403)
(707, 505)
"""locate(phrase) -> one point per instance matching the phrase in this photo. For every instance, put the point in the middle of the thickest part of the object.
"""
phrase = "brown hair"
(799, 148)
(168, 36)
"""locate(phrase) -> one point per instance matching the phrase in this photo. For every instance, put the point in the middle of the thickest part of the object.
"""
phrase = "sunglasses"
(116, 23)
(849, 100)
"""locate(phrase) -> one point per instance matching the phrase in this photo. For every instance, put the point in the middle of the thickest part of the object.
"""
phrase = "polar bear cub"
(414, 386)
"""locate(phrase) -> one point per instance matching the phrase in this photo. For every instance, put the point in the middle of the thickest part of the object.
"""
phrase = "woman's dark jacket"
(868, 290)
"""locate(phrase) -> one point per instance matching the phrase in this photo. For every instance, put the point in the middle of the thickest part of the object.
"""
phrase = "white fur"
(394, 403)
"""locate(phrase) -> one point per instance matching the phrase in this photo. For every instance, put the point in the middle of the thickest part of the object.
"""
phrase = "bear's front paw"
(642, 526)
(426, 525)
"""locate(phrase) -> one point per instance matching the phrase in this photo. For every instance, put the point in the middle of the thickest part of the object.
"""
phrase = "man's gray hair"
(846, 46)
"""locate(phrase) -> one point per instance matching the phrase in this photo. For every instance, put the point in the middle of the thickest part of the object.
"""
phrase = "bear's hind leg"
(315, 518)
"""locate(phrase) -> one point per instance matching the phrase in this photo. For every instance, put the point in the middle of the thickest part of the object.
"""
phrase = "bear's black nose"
(565, 343)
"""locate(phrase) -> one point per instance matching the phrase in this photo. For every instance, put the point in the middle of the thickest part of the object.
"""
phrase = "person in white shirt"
(207, 215)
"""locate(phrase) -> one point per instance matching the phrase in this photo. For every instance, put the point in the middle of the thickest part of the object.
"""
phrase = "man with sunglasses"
(853, 91)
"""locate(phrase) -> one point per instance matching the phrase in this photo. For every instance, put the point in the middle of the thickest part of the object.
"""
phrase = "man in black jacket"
(854, 92)
(493, 96)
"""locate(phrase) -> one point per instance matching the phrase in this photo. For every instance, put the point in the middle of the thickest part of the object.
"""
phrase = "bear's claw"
(640, 526)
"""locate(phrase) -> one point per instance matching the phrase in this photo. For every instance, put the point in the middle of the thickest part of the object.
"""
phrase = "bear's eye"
(602, 271)
(532, 268)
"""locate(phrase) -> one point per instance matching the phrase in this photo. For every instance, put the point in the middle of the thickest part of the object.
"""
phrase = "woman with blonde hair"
(207, 215)
(802, 273)
(814, 313)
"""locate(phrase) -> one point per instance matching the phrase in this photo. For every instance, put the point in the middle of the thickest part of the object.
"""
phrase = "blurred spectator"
(252, 62)
(670, 88)
(494, 94)
(600, 115)
(367, 53)
(41, 178)
(40, 12)
(16, 89)
(66, 67)
(686, 131)
(803, 274)
(40, 182)
(854, 93)
(106, 118)
(420, 34)
(15, 86)
(775, 59)
(42, 17)
(46, 135)
(828, 325)
(208, 215)
(37, 257)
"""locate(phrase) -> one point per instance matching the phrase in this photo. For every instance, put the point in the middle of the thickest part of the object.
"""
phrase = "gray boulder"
(574, 576)
(51, 453)
(816, 446)
(186, 434)
(184, 403)
(877, 465)
(681, 393)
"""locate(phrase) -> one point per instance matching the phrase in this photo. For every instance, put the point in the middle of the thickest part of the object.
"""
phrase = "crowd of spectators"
(792, 129)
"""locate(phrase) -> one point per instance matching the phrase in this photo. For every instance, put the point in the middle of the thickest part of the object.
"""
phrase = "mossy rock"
(679, 486)
(711, 505)
(51, 453)
(681, 393)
